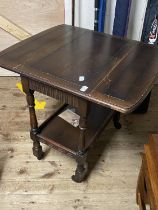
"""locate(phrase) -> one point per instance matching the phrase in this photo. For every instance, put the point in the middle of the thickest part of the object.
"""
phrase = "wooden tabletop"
(114, 72)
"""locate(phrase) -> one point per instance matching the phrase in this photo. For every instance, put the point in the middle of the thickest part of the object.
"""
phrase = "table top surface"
(111, 71)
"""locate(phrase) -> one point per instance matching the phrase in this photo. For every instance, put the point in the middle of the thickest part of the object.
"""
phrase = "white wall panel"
(136, 20)
(84, 13)
(110, 15)
(85, 16)
(68, 12)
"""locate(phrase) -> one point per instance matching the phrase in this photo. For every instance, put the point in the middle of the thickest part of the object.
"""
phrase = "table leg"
(82, 168)
(37, 149)
(143, 107)
(81, 157)
(116, 120)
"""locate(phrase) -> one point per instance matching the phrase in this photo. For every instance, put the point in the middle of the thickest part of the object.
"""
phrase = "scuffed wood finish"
(119, 73)
(72, 141)
(30, 184)
(52, 63)
(37, 149)
(82, 168)
(81, 158)
(147, 189)
(54, 93)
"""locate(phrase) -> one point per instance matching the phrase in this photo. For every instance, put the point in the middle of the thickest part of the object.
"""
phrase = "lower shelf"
(61, 135)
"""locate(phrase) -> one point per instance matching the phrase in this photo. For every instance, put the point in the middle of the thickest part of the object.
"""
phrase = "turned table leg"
(37, 149)
(116, 120)
(82, 168)
(81, 157)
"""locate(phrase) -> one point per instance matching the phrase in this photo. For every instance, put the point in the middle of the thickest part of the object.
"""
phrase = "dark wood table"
(98, 74)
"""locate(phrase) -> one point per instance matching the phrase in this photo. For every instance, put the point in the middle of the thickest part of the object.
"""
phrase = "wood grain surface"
(119, 73)
(29, 184)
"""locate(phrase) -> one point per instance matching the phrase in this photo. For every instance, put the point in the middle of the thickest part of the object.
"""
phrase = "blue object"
(150, 27)
(122, 12)
(101, 18)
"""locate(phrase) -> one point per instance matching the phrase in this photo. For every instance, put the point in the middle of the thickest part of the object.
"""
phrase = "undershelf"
(64, 137)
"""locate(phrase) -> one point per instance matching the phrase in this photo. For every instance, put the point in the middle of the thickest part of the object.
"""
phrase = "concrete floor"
(29, 184)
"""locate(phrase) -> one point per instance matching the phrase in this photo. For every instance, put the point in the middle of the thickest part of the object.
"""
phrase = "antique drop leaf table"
(97, 74)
